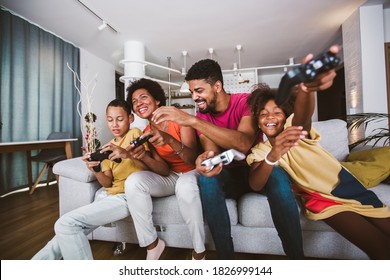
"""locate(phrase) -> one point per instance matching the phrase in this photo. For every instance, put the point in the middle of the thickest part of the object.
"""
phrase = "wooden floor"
(26, 225)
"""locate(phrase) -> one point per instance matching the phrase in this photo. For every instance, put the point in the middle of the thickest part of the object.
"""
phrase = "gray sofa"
(252, 227)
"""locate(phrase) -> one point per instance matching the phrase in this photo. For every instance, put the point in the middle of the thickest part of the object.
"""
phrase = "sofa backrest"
(334, 137)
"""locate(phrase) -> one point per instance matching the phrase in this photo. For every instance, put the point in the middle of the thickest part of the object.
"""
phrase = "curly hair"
(261, 94)
(206, 69)
(120, 103)
(150, 86)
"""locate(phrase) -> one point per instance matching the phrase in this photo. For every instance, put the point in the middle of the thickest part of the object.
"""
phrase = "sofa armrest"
(74, 194)
(74, 168)
(77, 185)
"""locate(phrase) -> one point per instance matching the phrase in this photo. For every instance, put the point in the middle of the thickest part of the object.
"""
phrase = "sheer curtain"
(37, 92)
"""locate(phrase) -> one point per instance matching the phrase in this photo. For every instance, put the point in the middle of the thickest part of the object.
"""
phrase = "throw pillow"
(370, 166)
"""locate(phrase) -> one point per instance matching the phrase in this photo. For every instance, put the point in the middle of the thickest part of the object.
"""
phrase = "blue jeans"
(233, 182)
(284, 212)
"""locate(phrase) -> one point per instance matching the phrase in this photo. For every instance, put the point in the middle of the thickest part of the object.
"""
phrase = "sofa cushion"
(334, 137)
(253, 211)
(74, 168)
(166, 211)
(369, 166)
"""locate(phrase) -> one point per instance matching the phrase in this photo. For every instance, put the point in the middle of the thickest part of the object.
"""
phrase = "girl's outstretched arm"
(305, 98)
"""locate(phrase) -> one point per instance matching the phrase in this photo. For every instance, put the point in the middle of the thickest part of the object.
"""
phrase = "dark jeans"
(232, 183)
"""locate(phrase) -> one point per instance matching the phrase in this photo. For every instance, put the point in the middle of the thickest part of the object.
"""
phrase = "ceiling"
(270, 31)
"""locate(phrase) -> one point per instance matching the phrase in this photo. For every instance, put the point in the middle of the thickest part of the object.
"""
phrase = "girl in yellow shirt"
(328, 191)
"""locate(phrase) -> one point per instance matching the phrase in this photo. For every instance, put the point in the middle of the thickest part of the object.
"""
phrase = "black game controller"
(97, 156)
(139, 141)
(305, 73)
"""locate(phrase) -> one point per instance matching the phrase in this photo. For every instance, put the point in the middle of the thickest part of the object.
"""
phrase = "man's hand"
(205, 170)
(171, 113)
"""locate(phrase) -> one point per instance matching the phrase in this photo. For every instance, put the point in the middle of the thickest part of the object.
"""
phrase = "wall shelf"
(183, 106)
(180, 97)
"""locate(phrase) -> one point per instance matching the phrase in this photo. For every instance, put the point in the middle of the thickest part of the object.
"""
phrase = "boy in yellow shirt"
(70, 241)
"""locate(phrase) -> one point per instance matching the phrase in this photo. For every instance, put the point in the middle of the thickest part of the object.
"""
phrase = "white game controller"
(226, 157)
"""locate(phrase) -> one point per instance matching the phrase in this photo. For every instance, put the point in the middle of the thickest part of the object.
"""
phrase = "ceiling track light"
(104, 23)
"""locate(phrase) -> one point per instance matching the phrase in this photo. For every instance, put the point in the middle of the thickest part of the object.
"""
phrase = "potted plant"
(355, 121)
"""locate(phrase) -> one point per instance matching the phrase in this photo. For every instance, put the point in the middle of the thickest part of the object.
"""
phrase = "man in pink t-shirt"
(231, 117)
(224, 122)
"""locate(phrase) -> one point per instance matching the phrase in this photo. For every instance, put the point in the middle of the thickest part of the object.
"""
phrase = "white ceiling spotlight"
(104, 23)
(102, 26)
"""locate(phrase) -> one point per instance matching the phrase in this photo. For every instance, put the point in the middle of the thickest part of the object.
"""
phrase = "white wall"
(104, 92)
(273, 80)
(386, 18)
(364, 35)
(373, 63)
(373, 57)
(364, 60)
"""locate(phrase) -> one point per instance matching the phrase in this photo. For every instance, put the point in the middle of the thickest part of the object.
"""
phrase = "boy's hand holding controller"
(91, 165)
(131, 151)
(116, 152)
(98, 156)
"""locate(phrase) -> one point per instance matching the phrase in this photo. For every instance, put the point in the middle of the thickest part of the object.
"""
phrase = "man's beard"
(210, 107)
